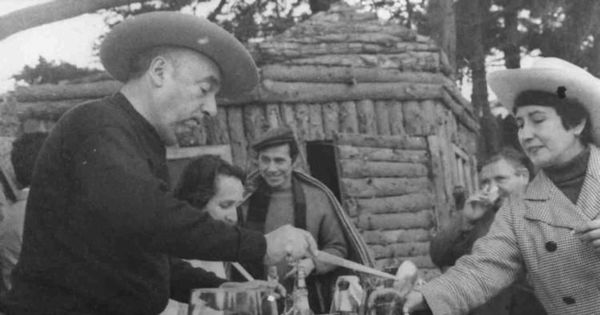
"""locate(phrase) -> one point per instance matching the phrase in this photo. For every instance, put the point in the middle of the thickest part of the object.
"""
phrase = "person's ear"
(157, 70)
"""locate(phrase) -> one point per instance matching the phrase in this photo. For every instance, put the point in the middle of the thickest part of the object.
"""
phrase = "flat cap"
(273, 137)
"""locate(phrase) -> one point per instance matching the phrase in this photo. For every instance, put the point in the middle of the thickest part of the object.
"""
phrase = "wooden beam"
(395, 221)
(298, 92)
(401, 249)
(409, 61)
(268, 92)
(348, 117)
(347, 74)
(383, 186)
(361, 169)
(315, 130)
(381, 141)
(366, 117)
(396, 204)
(235, 121)
(58, 92)
(331, 123)
(396, 236)
(382, 118)
(383, 154)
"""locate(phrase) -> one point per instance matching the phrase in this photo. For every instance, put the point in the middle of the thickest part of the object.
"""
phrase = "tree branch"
(53, 11)
(213, 15)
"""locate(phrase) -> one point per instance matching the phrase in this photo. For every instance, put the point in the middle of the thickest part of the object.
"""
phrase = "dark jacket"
(101, 221)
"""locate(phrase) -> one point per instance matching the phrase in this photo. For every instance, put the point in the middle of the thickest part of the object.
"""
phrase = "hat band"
(542, 98)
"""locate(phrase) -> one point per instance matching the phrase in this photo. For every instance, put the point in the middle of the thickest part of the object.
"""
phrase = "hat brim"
(508, 84)
(135, 35)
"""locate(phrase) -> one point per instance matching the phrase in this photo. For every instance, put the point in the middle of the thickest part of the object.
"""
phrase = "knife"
(338, 261)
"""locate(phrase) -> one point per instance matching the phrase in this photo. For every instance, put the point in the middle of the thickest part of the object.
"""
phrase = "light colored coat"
(532, 234)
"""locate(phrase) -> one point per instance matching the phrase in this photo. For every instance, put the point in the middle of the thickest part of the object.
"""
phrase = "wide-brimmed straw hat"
(142, 32)
(548, 74)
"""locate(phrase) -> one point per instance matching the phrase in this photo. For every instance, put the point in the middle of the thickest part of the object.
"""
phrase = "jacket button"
(568, 300)
(551, 246)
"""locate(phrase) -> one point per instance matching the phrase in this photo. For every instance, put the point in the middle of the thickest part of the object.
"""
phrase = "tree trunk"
(510, 47)
(442, 26)
(489, 138)
(51, 12)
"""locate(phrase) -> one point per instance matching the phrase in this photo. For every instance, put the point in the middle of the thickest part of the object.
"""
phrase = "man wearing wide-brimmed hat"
(553, 231)
(101, 222)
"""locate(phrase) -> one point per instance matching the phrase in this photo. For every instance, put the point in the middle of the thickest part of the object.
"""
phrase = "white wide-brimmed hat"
(548, 74)
(134, 35)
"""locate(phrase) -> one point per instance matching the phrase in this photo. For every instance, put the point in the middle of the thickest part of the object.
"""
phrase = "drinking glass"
(232, 301)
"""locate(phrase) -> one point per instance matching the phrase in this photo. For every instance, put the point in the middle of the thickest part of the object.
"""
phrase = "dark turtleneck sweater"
(569, 177)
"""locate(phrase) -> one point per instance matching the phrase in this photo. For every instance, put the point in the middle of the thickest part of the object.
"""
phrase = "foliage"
(263, 18)
(52, 72)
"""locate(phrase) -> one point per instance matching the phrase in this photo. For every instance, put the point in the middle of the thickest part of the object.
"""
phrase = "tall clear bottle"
(343, 303)
(300, 296)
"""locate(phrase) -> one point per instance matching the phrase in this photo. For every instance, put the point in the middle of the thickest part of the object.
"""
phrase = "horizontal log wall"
(388, 193)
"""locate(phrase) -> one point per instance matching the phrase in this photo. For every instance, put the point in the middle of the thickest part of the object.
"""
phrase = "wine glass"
(232, 301)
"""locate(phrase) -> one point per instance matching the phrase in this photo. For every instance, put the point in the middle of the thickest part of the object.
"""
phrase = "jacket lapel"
(546, 203)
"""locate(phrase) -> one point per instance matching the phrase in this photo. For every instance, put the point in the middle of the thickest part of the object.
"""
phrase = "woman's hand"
(590, 233)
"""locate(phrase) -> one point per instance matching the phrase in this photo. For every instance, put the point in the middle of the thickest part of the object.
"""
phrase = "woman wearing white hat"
(553, 233)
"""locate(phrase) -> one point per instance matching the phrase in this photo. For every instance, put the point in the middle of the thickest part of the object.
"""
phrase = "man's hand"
(590, 233)
(415, 301)
(475, 208)
(307, 264)
(290, 243)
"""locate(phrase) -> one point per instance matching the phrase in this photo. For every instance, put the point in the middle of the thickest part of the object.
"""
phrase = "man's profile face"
(503, 176)
(275, 166)
(191, 82)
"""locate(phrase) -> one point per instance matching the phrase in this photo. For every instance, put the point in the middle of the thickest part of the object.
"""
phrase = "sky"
(69, 40)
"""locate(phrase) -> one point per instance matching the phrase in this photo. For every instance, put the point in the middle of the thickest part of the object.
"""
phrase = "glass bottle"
(272, 277)
(300, 295)
(343, 303)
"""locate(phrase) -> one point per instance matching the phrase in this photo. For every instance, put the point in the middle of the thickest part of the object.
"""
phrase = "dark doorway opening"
(321, 159)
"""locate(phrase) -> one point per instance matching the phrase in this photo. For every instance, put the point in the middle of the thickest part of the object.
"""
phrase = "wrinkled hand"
(257, 284)
(589, 233)
(290, 243)
(415, 301)
(307, 264)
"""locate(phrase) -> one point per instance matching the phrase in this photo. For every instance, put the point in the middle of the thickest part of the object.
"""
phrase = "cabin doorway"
(321, 159)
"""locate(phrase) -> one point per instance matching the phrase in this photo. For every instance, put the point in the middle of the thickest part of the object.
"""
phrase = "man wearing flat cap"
(101, 221)
(282, 196)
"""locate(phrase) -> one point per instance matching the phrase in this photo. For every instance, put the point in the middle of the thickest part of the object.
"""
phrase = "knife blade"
(338, 261)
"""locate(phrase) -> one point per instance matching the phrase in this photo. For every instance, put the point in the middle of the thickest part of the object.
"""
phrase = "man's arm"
(124, 195)
(448, 244)
(184, 278)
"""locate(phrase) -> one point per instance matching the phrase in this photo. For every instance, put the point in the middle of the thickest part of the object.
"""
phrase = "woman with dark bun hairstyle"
(216, 187)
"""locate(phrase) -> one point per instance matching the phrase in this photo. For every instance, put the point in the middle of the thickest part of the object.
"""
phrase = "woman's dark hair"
(570, 110)
(197, 183)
